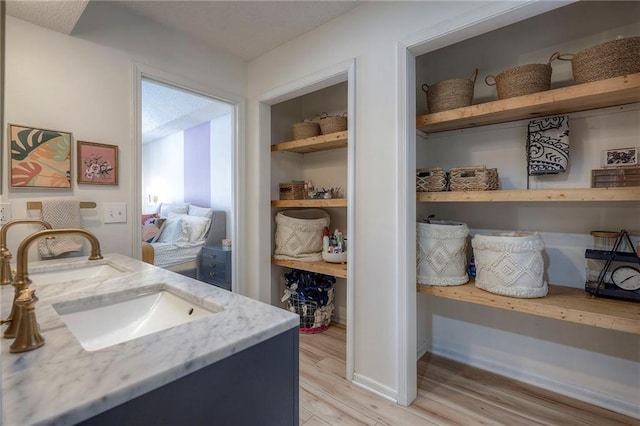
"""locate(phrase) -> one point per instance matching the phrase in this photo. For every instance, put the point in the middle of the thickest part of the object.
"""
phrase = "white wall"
(163, 169)
(84, 84)
(370, 34)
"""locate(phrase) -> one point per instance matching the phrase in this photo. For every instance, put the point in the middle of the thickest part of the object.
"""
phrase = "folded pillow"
(175, 230)
(167, 209)
(201, 211)
(198, 227)
(149, 232)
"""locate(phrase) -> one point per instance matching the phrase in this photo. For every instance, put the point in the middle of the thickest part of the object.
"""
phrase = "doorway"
(186, 155)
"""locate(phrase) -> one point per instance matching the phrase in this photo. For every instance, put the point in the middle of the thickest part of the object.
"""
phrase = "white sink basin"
(76, 273)
(114, 318)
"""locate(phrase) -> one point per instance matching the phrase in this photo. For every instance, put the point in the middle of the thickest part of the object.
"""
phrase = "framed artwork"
(39, 158)
(620, 157)
(97, 163)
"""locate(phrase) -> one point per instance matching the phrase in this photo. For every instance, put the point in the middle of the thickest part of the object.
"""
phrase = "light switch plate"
(114, 212)
(5, 213)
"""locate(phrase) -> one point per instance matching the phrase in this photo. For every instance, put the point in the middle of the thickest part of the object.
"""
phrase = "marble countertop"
(62, 383)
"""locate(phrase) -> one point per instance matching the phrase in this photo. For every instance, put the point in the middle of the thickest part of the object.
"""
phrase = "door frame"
(339, 73)
(238, 184)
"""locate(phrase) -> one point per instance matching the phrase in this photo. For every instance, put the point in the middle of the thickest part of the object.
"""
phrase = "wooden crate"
(615, 177)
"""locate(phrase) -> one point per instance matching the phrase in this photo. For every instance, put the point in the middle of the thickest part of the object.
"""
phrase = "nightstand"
(214, 266)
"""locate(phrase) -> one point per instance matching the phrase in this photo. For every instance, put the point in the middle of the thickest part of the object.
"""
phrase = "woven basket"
(431, 180)
(473, 178)
(293, 191)
(523, 79)
(333, 123)
(606, 60)
(450, 94)
(306, 129)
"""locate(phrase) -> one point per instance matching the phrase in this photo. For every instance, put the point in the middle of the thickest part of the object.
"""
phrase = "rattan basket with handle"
(450, 94)
(332, 123)
(473, 178)
(607, 60)
(523, 79)
(432, 179)
(305, 129)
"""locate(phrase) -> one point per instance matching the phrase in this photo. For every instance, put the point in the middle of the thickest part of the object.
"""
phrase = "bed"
(173, 237)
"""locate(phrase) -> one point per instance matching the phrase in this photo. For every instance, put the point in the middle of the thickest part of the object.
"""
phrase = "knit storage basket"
(510, 264)
(450, 94)
(523, 79)
(293, 191)
(332, 123)
(306, 129)
(431, 180)
(473, 178)
(441, 253)
(299, 234)
(607, 60)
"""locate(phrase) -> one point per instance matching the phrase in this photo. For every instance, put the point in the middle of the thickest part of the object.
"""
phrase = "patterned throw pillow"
(175, 230)
(198, 227)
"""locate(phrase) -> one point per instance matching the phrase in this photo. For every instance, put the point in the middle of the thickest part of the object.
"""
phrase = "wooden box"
(618, 177)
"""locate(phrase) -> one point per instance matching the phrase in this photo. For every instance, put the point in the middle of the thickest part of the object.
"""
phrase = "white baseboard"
(375, 387)
(423, 349)
(601, 400)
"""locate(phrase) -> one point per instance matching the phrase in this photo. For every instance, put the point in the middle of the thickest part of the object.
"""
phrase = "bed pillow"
(198, 227)
(201, 211)
(166, 209)
(149, 232)
(175, 230)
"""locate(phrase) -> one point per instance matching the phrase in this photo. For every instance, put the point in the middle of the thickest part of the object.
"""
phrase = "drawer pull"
(212, 274)
(212, 256)
(212, 265)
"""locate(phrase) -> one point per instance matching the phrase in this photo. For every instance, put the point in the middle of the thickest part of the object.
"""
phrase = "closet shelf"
(538, 195)
(313, 144)
(578, 97)
(338, 270)
(562, 303)
(332, 202)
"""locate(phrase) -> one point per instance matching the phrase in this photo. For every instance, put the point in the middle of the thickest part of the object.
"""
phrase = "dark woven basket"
(450, 94)
(607, 60)
(523, 79)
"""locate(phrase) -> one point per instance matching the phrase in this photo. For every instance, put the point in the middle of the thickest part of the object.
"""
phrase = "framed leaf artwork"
(97, 163)
(39, 158)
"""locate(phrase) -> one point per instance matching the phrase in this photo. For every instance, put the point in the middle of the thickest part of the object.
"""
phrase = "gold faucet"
(28, 336)
(21, 281)
(5, 254)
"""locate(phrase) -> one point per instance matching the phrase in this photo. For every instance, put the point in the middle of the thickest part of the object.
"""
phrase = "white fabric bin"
(299, 234)
(441, 253)
(510, 264)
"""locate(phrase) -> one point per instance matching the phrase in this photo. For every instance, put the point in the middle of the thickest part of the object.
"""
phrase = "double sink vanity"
(130, 343)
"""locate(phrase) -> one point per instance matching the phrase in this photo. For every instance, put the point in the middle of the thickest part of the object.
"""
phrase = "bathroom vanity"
(237, 363)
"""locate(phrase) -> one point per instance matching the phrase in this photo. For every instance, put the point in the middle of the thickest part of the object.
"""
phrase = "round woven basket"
(523, 79)
(450, 94)
(305, 130)
(332, 123)
(606, 60)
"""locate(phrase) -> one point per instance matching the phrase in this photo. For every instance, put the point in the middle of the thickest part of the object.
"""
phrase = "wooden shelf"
(313, 144)
(511, 195)
(562, 303)
(333, 202)
(338, 270)
(579, 97)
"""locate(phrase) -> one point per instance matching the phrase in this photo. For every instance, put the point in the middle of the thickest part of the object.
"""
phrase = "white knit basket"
(510, 264)
(441, 254)
(299, 234)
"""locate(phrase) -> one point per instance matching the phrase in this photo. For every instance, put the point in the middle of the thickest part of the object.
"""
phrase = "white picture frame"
(620, 157)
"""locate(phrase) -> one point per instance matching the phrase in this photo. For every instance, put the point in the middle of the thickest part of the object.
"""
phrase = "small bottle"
(325, 240)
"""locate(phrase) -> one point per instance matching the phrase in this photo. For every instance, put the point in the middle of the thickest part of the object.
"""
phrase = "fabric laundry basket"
(299, 234)
(510, 264)
(441, 253)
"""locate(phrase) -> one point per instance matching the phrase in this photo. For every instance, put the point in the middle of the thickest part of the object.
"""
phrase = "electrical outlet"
(114, 212)
(5, 213)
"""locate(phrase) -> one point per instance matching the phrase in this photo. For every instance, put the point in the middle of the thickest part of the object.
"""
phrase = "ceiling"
(246, 29)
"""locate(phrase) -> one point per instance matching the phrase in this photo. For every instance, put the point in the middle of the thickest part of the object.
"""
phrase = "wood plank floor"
(449, 393)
